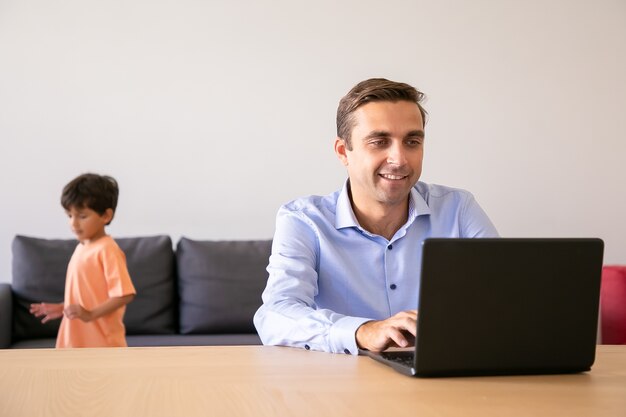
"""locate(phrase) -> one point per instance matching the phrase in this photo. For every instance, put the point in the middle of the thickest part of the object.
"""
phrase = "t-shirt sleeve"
(116, 273)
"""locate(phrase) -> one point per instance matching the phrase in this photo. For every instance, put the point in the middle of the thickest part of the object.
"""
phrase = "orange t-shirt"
(96, 272)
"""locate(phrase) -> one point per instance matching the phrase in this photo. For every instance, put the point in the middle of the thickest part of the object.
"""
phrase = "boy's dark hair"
(374, 89)
(93, 191)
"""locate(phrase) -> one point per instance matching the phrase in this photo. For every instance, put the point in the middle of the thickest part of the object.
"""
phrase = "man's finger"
(410, 325)
(398, 338)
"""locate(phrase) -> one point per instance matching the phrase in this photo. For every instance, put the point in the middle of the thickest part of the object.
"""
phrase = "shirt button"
(346, 351)
(307, 347)
(393, 286)
(390, 247)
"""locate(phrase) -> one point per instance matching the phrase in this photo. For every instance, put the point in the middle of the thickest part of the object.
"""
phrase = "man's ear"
(341, 150)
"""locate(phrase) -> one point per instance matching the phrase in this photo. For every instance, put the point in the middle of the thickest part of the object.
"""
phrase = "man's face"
(387, 150)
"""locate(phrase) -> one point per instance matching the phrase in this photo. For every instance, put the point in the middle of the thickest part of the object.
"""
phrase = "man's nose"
(396, 155)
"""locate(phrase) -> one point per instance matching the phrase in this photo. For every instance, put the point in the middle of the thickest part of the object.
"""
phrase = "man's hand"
(396, 331)
(76, 311)
(50, 311)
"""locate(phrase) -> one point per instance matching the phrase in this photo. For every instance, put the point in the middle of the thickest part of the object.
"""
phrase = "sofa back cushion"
(151, 264)
(39, 267)
(220, 284)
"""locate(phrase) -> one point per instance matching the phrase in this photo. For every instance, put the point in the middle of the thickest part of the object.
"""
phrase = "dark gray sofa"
(201, 293)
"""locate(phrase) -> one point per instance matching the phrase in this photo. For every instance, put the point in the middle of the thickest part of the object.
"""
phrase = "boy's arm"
(50, 311)
(76, 311)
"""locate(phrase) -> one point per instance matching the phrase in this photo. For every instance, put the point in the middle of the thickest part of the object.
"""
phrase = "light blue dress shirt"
(327, 275)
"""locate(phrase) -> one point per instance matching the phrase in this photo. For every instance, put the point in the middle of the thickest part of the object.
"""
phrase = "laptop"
(504, 306)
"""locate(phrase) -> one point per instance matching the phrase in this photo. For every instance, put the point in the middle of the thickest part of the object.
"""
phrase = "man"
(345, 268)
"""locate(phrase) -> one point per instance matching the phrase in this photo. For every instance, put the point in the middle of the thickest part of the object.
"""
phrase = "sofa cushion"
(237, 339)
(39, 267)
(151, 264)
(141, 340)
(220, 284)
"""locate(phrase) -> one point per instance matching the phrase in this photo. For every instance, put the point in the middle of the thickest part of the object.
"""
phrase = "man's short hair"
(374, 89)
(93, 191)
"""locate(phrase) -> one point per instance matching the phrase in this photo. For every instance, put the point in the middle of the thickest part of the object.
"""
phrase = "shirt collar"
(345, 215)
(418, 205)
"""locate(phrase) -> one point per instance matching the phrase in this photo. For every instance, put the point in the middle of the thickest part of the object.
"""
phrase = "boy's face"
(87, 224)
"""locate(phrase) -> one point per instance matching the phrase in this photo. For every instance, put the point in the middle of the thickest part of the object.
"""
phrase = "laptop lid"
(507, 306)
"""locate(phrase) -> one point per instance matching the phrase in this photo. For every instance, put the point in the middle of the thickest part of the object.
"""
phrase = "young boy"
(97, 285)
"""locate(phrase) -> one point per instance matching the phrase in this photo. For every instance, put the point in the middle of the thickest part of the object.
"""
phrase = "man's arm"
(76, 311)
(475, 222)
(289, 315)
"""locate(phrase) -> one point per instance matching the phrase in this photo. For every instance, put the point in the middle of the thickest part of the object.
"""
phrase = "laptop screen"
(491, 306)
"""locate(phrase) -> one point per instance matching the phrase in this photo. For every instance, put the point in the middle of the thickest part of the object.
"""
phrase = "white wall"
(213, 113)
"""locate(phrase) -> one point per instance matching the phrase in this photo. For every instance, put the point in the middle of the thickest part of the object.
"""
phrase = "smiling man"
(345, 268)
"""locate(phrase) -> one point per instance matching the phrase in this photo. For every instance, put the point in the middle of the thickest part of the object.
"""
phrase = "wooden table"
(274, 381)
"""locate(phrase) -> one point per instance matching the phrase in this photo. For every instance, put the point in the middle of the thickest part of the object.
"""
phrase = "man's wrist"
(359, 334)
(342, 336)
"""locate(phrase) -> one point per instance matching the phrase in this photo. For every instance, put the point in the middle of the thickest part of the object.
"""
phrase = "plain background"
(211, 114)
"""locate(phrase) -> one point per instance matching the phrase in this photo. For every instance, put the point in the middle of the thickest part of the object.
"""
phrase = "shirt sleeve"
(474, 221)
(116, 273)
(289, 315)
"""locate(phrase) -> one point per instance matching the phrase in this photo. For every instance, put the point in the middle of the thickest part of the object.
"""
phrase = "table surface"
(276, 381)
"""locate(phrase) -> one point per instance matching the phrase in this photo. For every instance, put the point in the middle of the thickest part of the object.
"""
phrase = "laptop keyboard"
(404, 358)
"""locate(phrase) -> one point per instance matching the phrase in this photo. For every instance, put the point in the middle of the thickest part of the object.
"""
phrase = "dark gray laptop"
(503, 307)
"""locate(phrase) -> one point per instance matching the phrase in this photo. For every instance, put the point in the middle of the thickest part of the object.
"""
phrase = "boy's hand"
(50, 311)
(76, 311)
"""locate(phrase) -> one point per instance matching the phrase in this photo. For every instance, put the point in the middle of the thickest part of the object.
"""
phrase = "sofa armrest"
(6, 315)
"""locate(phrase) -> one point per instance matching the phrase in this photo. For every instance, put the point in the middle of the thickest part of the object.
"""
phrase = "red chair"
(613, 305)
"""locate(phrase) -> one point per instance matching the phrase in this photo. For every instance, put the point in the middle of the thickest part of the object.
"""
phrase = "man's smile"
(393, 176)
